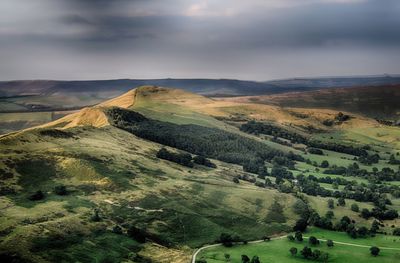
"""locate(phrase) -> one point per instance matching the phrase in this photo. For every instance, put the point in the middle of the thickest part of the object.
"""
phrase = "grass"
(278, 250)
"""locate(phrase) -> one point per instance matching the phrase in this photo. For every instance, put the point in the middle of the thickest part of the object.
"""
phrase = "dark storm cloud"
(189, 38)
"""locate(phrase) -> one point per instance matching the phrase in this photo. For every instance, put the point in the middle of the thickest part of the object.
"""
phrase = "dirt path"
(280, 237)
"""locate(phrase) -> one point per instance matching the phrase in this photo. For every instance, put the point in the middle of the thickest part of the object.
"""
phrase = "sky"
(240, 39)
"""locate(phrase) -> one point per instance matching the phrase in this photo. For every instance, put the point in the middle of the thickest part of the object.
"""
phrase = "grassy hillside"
(102, 185)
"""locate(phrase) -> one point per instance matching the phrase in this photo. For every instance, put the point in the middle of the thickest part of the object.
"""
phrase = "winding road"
(280, 237)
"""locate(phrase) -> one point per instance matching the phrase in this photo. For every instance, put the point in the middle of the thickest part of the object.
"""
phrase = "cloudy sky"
(243, 39)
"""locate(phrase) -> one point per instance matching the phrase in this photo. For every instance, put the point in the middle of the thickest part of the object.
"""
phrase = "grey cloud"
(188, 38)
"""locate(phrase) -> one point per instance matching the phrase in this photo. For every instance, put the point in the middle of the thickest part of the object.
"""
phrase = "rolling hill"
(96, 178)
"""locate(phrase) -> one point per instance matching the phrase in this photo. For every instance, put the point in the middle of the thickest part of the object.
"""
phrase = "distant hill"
(371, 101)
(201, 86)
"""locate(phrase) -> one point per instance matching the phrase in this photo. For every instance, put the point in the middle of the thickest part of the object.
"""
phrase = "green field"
(278, 250)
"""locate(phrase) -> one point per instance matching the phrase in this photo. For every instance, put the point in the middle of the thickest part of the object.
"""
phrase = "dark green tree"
(374, 251)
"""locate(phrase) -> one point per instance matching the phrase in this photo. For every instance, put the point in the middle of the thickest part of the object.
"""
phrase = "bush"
(184, 159)
(61, 190)
(117, 230)
(329, 243)
(374, 251)
(299, 236)
(396, 232)
(136, 233)
(38, 195)
(324, 164)
(313, 240)
(293, 251)
(201, 160)
(355, 208)
(226, 239)
(301, 225)
(315, 151)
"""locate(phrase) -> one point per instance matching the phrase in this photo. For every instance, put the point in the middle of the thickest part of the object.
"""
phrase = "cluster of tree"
(246, 259)
(348, 149)
(201, 160)
(184, 159)
(199, 140)
(393, 160)
(310, 254)
(256, 128)
(369, 159)
(386, 174)
(228, 240)
(379, 213)
(56, 133)
(315, 151)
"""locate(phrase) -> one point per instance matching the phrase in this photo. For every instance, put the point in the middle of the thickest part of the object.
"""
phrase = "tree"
(331, 203)
(38, 195)
(61, 190)
(306, 252)
(313, 240)
(136, 233)
(255, 259)
(365, 213)
(117, 230)
(245, 259)
(374, 226)
(374, 251)
(290, 237)
(96, 216)
(354, 207)
(299, 236)
(226, 239)
(341, 201)
(316, 254)
(276, 213)
(293, 251)
(329, 243)
(324, 164)
(329, 214)
(324, 257)
(301, 225)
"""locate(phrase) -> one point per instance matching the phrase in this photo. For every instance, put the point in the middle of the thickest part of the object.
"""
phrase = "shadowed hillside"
(378, 102)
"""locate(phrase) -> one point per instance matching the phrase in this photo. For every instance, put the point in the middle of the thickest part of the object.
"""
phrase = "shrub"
(117, 230)
(313, 240)
(329, 243)
(61, 190)
(355, 208)
(136, 233)
(226, 239)
(374, 251)
(299, 236)
(38, 195)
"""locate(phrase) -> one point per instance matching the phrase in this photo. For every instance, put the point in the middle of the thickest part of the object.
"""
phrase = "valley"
(155, 173)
